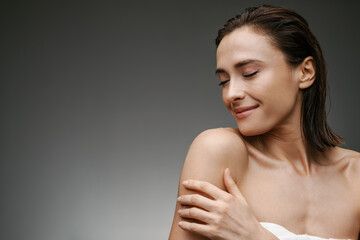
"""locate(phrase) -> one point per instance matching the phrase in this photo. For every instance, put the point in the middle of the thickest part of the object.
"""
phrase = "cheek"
(280, 101)
(278, 97)
(281, 90)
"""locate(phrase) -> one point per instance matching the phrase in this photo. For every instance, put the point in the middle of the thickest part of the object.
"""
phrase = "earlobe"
(307, 73)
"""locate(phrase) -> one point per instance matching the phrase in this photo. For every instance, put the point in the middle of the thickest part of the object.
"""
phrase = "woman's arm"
(353, 174)
(209, 155)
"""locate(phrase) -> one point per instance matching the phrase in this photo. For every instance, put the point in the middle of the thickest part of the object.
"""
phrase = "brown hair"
(291, 34)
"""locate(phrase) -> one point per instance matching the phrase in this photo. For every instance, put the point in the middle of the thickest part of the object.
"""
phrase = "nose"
(235, 91)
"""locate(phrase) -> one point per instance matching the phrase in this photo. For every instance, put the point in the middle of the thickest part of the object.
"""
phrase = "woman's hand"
(225, 216)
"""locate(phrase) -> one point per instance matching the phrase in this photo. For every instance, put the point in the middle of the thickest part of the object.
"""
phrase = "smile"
(242, 112)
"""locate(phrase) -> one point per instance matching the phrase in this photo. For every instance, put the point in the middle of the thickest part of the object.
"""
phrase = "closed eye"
(222, 83)
(250, 75)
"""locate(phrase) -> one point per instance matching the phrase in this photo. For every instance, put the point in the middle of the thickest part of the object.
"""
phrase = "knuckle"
(221, 208)
(192, 212)
(194, 199)
(216, 221)
(214, 231)
(202, 186)
(192, 227)
(227, 198)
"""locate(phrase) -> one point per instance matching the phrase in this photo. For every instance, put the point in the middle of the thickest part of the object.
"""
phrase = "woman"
(280, 174)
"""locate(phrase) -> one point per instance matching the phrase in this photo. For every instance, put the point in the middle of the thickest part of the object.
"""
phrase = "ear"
(306, 73)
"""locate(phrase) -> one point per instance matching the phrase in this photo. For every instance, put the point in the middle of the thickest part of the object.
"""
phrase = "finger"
(204, 187)
(197, 200)
(230, 185)
(201, 229)
(196, 213)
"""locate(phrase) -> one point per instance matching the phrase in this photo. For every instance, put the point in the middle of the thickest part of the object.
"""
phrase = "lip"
(242, 112)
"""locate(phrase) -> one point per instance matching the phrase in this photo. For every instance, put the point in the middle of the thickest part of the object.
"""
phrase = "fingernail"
(185, 182)
(180, 223)
(179, 199)
(179, 212)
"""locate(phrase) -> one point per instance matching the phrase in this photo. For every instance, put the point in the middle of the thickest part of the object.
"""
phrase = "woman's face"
(259, 88)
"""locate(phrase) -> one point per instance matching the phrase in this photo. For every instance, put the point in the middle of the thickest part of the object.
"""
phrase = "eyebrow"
(238, 65)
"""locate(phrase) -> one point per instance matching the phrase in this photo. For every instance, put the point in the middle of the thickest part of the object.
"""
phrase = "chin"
(250, 131)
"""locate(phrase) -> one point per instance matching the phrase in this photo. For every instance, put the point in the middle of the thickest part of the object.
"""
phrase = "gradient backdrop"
(100, 101)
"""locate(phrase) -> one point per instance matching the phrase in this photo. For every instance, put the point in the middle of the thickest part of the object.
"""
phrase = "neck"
(286, 143)
(289, 147)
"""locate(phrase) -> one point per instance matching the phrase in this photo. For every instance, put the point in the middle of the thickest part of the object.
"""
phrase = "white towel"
(284, 234)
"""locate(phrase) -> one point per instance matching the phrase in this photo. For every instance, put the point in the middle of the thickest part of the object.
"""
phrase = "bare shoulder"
(352, 158)
(354, 161)
(222, 141)
(214, 150)
(211, 152)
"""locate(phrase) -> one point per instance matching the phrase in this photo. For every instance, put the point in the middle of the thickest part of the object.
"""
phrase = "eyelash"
(222, 83)
(250, 75)
(245, 76)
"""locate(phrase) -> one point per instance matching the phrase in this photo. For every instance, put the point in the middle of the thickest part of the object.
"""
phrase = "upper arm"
(357, 189)
(209, 155)
(353, 175)
(356, 182)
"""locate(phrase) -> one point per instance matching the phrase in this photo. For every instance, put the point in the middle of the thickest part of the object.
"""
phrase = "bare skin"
(320, 200)
(281, 179)
(324, 202)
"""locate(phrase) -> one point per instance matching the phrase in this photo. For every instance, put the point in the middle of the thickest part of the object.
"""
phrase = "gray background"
(100, 101)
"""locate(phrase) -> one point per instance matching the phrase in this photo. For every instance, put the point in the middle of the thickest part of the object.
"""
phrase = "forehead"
(245, 43)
